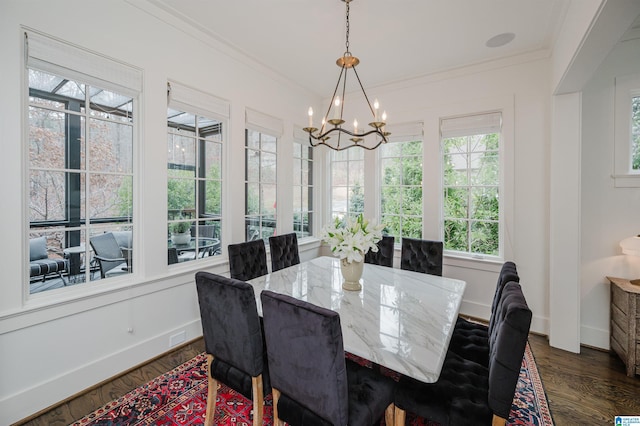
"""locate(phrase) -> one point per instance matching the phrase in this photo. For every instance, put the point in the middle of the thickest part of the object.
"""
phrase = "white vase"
(181, 239)
(351, 272)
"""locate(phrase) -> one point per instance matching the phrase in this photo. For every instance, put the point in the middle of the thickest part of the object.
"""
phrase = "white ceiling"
(394, 39)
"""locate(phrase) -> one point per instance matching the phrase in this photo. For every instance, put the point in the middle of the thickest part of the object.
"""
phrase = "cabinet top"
(625, 285)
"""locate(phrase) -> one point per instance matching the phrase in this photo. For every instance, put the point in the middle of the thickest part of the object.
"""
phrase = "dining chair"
(247, 260)
(108, 254)
(470, 338)
(284, 251)
(466, 392)
(421, 256)
(312, 382)
(233, 340)
(384, 255)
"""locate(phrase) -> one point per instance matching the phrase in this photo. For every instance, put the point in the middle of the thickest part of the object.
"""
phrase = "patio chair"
(108, 254)
(39, 262)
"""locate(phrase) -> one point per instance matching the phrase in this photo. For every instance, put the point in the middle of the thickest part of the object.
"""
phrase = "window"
(627, 131)
(302, 189)
(260, 185)
(401, 189)
(194, 187)
(347, 182)
(470, 148)
(81, 136)
(261, 141)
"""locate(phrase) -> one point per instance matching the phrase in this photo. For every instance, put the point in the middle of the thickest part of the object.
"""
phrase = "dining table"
(401, 320)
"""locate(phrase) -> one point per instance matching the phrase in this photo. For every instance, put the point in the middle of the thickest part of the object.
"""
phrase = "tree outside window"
(401, 189)
(471, 194)
(347, 179)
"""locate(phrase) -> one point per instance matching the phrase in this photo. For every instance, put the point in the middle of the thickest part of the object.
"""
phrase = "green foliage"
(356, 200)
(180, 227)
(471, 194)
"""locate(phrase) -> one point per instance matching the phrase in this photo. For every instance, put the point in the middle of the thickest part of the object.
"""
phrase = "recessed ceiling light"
(500, 40)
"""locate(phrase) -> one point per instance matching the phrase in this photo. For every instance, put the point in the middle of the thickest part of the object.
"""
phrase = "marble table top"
(400, 319)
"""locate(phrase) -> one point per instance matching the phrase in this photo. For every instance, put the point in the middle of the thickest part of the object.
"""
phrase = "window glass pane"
(253, 198)
(47, 196)
(635, 133)
(213, 197)
(110, 146)
(113, 195)
(471, 203)
(401, 197)
(46, 138)
(181, 197)
(260, 184)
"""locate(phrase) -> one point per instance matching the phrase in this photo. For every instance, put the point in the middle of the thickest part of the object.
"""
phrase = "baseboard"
(27, 402)
(594, 337)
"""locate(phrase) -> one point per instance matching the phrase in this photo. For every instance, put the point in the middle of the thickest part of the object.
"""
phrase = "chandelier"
(367, 139)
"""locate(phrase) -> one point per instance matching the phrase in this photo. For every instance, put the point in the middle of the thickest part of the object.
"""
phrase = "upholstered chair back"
(284, 251)
(421, 256)
(384, 255)
(247, 260)
(507, 343)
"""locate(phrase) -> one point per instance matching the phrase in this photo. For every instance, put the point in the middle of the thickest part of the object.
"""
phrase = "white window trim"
(626, 87)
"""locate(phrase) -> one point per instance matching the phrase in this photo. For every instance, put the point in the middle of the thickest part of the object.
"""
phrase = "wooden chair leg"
(389, 415)
(212, 394)
(399, 416)
(498, 421)
(258, 400)
(276, 396)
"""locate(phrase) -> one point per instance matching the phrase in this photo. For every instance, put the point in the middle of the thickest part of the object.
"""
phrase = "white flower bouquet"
(351, 239)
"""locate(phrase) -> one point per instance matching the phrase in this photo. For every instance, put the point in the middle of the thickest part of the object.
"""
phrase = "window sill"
(626, 181)
(482, 264)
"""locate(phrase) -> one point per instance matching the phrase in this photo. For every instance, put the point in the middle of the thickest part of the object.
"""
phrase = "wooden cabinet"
(625, 323)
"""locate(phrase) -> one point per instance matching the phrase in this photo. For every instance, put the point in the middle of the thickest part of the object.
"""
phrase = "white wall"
(57, 344)
(521, 85)
(609, 214)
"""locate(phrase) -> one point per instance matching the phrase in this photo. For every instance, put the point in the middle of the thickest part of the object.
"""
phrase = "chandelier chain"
(347, 37)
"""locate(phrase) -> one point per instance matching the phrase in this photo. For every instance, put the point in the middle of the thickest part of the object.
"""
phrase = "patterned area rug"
(179, 397)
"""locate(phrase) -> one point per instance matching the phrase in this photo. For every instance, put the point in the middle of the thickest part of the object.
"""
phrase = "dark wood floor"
(586, 389)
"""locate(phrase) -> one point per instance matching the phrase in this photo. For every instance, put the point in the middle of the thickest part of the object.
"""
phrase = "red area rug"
(179, 397)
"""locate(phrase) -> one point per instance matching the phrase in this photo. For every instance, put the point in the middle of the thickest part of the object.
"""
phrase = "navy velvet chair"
(470, 338)
(284, 251)
(468, 393)
(247, 260)
(233, 341)
(384, 255)
(421, 256)
(313, 383)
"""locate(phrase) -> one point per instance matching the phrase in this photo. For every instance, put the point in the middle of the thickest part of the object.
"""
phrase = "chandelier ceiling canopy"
(331, 132)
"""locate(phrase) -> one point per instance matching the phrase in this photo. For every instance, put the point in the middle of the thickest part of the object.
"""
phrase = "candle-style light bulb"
(355, 126)
(384, 117)
(310, 112)
(336, 112)
(376, 105)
